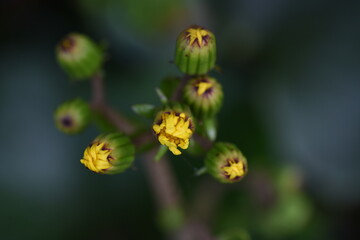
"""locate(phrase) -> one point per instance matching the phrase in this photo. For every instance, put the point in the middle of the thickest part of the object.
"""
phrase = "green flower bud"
(109, 154)
(204, 95)
(79, 56)
(226, 163)
(174, 127)
(72, 117)
(195, 51)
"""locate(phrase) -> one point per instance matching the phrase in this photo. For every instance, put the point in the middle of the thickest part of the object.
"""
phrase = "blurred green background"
(290, 73)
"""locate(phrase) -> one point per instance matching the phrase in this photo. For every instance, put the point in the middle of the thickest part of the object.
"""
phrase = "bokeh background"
(290, 72)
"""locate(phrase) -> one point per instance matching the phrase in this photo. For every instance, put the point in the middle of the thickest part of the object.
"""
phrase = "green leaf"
(210, 128)
(161, 152)
(146, 110)
(161, 95)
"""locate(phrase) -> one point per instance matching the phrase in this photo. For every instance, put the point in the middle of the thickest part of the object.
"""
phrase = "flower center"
(235, 169)
(67, 44)
(67, 121)
(174, 131)
(96, 157)
(197, 35)
(202, 87)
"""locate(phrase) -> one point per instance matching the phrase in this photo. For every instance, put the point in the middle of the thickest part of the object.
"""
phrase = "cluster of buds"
(81, 58)
(198, 103)
(195, 56)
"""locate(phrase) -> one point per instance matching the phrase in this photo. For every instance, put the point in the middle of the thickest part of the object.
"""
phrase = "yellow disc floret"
(203, 87)
(236, 169)
(196, 34)
(173, 131)
(96, 158)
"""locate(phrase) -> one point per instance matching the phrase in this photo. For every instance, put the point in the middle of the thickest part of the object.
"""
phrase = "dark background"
(290, 73)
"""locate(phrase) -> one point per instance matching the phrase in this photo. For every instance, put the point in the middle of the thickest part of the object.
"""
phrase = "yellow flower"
(203, 87)
(96, 157)
(196, 34)
(174, 130)
(236, 169)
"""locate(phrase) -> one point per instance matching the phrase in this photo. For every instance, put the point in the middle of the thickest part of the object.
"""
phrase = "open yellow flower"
(174, 130)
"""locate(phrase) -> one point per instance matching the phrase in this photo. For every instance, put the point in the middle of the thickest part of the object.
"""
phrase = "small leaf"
(210, 128)
(161, 152)
(146, 110)
(161, 95)
(201, 171)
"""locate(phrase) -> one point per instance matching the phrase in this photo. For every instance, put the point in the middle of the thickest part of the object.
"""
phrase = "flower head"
(195, 51)
(197, 35)
(226, 163)
(72, 117)
(79, 56)
(234, 169)
(109, 154)
(96, 157)
(202, 87)
(173, 129)
(204, 95)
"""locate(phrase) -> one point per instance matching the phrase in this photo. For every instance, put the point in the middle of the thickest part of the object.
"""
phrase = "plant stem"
(176, 96)
(98, 103)
(162, 181)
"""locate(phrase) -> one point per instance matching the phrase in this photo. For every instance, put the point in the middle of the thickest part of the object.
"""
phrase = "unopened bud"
(204, 95)
(72, 117)
(195, 51)
(109, 154)
(226, 163)
(79, 56)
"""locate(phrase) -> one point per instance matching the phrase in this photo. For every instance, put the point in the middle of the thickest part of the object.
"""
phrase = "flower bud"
(195, 51)
(72, 117)
(174, 128)
(109, 154)
(204, 95)
(226, 163)
(79, 56)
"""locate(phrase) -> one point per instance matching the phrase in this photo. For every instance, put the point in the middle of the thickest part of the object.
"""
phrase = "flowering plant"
(185, 119)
